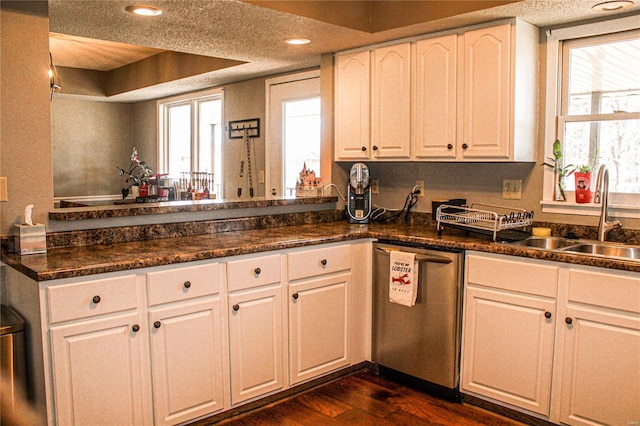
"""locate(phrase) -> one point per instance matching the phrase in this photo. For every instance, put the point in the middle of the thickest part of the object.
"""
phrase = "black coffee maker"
(358, 194)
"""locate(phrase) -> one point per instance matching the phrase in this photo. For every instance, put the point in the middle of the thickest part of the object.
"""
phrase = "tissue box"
(30, 239)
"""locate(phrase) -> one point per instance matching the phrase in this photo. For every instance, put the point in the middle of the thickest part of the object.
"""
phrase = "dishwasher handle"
(433, 258)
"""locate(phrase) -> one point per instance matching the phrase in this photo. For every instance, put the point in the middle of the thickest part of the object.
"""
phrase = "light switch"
(512, 189)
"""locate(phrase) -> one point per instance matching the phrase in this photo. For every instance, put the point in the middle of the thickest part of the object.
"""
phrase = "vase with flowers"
(559, 172)
(139, 174)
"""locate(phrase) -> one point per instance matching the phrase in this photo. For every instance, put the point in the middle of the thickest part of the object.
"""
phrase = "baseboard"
(505, 411)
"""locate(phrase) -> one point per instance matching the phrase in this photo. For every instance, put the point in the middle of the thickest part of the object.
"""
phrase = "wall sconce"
(54, 79)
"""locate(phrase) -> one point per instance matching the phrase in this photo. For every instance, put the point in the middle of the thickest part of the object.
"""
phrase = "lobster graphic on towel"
(402, 279)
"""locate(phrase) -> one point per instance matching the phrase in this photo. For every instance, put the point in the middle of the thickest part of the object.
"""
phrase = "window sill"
(590, 209)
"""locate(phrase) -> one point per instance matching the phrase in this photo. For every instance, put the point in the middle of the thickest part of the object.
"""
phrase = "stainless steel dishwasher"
(420, 345)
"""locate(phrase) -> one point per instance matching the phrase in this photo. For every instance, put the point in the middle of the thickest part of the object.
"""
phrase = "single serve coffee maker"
(358, 194)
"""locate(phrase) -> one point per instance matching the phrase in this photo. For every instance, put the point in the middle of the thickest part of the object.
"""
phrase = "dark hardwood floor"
(364, 398)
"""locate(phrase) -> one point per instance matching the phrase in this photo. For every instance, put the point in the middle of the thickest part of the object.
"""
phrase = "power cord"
(338, 190)
(412, 199)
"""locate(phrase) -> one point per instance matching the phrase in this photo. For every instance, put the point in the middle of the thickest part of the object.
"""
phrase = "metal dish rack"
(488, 222)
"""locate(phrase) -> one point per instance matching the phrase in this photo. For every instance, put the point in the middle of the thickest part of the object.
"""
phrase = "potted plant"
(582, 175)
(139, 174)
(559, 172)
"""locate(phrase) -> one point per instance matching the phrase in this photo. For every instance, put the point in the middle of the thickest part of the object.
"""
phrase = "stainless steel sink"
(582, 247)
(546, 243)
(621, 251)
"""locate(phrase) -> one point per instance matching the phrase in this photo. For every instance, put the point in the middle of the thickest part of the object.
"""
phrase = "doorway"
(293, 131)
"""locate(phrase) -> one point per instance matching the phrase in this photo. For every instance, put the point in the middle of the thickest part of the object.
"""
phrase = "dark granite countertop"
(69, 262)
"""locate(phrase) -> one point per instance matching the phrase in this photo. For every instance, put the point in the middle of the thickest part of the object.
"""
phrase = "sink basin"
(547, 243)
(585, 247)
(622, 251)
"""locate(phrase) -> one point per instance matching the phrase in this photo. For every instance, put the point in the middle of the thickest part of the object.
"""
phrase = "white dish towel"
(403, 278)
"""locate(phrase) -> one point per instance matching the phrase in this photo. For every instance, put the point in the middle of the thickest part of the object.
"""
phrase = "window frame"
(555, 117)
(193, 99)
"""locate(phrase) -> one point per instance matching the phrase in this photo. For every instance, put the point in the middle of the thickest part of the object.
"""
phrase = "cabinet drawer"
(92, 298)
(620, 290)
(182, 283)
(524, 276)
(253, 272)
(319, 261)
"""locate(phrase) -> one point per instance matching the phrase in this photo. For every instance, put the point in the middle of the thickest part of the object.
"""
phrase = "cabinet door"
(391, 102)
(487, 93)
(436, 90)
(186, 351)
(255, 339)
(508, 347)
(352, 109)
(601, 369)
(99, 377)
(318, 326)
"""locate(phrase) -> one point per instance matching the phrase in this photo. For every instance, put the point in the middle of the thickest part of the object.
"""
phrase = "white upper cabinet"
(499, 93)
(353, 75)
(435, 101)
(487, 92)
(499, 121)
(391, 102)
(373, 104)
(469, 95)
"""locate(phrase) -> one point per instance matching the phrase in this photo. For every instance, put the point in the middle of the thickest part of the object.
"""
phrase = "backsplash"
(622, 235)
(183, 229)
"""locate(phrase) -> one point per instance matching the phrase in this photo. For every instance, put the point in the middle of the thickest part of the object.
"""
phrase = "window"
(190, 137)
(598, 109)
(601, 105)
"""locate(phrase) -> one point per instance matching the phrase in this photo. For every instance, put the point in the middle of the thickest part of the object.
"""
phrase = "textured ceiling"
(254, 34)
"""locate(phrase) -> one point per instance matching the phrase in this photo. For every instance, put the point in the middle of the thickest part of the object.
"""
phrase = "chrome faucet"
(602, 196)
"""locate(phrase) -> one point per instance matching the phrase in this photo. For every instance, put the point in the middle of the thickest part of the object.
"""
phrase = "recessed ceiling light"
(610, 6)
(143, 10)
(297, 41)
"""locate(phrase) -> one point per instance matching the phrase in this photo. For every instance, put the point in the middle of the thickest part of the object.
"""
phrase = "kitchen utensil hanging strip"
(499, 218)
(250, 177)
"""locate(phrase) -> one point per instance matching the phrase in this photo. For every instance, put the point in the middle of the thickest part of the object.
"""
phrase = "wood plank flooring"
(364, 398)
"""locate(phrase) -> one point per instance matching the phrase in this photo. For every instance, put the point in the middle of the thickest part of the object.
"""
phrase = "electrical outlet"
(420, 186)
(512, 189)
(3, 189)
(375, 186)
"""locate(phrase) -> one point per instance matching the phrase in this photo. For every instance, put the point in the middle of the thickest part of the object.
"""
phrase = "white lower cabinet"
(186, 351)
(572, 357)
(509, 331)
(601, 356)
(99, 352)
(318, 326)
(255, 342)
(185, 323)
(512, 332)
(256, 331)
(171, 344)
(99, 374)
(319, 310)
